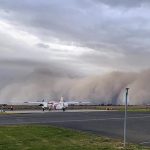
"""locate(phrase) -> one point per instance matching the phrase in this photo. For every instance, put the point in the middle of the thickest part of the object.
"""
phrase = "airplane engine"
(65, 105)
(44, 104)
(41, 105)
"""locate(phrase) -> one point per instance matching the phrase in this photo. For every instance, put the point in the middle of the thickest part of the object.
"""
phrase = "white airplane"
(54, 105)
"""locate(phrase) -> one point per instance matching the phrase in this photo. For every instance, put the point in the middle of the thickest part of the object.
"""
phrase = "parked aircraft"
(54, 105)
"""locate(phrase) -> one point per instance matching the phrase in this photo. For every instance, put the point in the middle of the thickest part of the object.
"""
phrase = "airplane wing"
(77, 103)
(37, 103)
(33, 102)
(43, 104)
(85, 103)
(72, 103)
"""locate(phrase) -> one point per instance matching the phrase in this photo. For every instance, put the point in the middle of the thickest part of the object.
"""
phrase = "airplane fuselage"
(57, 105)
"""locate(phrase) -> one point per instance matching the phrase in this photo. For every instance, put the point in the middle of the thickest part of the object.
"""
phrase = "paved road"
(103, 123)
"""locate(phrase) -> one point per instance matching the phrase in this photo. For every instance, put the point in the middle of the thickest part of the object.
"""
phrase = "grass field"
(121, 108)
(34, 137)
(131, 108)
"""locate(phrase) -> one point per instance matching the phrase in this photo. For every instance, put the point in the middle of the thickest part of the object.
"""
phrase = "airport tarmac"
(105, 123)
(55, 111)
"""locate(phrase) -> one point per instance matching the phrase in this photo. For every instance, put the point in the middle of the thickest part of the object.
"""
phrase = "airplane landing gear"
(63, 109)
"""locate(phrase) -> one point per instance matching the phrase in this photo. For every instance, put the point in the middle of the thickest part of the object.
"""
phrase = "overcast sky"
(56, 47)
(80, 36)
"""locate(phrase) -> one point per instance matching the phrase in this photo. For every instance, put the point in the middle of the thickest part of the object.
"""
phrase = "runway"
(105, 123)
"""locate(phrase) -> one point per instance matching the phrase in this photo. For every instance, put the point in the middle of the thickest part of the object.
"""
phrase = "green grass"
(33, 137)
(136, 109)
(121, 108)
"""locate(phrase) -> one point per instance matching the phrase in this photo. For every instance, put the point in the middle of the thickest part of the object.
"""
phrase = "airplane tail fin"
(61, 99)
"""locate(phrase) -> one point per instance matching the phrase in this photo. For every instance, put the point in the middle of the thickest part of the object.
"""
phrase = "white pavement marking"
(97, 119)
(23, 112)
(40, 111)
(84, 120)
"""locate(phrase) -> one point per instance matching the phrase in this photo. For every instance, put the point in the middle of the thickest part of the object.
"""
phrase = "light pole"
(125, 117)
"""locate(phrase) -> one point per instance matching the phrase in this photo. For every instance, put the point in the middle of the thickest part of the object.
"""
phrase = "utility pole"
(125, 118)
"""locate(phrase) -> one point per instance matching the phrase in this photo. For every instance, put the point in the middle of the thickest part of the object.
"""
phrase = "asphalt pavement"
(105, 123)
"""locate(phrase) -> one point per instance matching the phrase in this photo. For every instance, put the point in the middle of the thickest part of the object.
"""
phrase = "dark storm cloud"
(124, 3)
(91, 26)
(23, 79)
(51, 68)
(88, 23)
(47, 45)
(108, 88)
(42, 45)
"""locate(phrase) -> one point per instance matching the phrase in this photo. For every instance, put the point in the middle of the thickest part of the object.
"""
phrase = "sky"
(69, 40)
